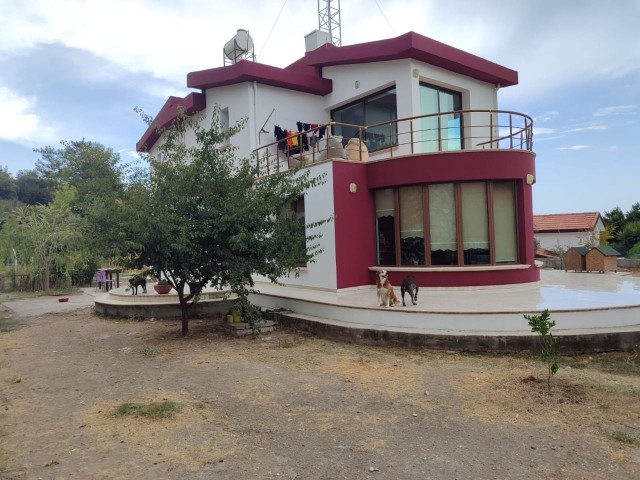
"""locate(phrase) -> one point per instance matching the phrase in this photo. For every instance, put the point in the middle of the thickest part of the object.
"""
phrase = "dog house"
(576, 259)
(602, 259)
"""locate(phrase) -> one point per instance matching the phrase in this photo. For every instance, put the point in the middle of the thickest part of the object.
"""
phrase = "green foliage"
(615, 221)
(7, 185)
(88, 166)
(542, 325)
(630, 234)
(634, 252)
(32, 189)
(633, 215)
(45, 238)
(8, 324)
(624, 437)
(153, 410)
(201, 216)
(149, 350)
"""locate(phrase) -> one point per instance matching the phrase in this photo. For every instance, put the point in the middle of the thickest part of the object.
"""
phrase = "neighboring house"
(444, 192)
(566, 230)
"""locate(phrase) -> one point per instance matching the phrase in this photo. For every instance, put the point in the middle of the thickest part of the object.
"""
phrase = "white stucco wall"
(318, 204)
(566, 240)
(352, 82)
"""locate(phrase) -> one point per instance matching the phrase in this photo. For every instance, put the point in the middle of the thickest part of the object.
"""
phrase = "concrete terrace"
(593, 312)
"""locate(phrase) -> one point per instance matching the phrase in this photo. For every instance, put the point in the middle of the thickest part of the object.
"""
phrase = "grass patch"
(624, 437)
(617, 363)
(8, 324)
(153, 410)
(149, 350)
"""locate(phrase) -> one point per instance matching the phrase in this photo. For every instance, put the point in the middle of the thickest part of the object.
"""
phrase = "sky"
(74, 69)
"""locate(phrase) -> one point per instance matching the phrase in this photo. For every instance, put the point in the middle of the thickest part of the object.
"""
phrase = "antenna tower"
(329, 20)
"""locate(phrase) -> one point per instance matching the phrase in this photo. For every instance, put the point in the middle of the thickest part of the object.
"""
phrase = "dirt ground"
(289, 406)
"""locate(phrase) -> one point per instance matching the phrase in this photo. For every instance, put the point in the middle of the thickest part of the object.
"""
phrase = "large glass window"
(440, 132)
(386, 226)
(475, 223)
(378, 108)
(442, 224)
(466, 223)
(504, 220)
(411, 229)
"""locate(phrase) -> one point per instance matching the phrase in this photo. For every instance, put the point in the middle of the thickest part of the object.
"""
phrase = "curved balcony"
(455, 131)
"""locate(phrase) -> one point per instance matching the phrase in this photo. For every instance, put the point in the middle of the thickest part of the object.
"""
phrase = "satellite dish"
(239, 47)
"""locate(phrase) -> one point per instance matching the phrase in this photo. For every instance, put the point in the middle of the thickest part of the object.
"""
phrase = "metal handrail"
(471, 130)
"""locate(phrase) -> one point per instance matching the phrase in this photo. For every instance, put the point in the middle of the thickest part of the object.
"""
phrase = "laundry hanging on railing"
(292, 142)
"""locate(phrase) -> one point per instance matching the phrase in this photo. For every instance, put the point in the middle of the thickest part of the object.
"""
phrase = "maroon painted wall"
(354, 213)
(451, 167)
(354, 225)
(457, 278)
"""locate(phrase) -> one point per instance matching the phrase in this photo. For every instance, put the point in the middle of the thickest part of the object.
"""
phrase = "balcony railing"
(461, 130)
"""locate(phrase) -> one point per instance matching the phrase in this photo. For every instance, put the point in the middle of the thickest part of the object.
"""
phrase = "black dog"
(137, 281)
(409, 285)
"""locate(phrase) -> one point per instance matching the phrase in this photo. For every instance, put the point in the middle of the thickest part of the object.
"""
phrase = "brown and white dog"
(386, 297)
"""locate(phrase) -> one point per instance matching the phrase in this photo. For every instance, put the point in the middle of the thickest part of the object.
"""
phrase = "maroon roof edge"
(418, 47)
(305, 75)
(192, 103)
(245, 71)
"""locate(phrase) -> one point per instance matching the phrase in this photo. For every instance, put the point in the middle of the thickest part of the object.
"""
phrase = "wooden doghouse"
(576, 259)
(602, 259)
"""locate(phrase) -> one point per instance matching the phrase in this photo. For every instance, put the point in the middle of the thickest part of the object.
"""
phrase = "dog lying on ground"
(409, 286)
(386, 297)
(137, 281)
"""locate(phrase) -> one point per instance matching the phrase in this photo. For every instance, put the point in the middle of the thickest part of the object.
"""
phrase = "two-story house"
(443, 189)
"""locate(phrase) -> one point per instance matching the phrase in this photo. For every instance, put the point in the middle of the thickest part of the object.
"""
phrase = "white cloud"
(589, 128)
(575, 147)
(18, 122)
(617, 110)
(550, 43)
(547, 116)
(544, 130)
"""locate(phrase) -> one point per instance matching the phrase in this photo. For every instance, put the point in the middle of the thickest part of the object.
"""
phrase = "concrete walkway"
(33, 307)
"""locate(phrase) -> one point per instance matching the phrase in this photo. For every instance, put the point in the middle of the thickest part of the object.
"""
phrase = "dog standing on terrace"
(386, 297)
(409, 286)
(137, 281)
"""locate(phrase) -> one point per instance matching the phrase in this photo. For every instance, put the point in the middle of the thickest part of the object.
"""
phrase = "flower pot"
(162, 289)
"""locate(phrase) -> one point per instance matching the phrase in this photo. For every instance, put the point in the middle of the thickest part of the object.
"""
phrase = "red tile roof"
(565, 222)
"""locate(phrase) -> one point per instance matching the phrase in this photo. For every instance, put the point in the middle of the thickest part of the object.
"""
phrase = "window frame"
(363, 103)
(455, 93)
(457, 186)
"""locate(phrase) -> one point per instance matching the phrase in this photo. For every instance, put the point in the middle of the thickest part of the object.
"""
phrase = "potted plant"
(162, 287)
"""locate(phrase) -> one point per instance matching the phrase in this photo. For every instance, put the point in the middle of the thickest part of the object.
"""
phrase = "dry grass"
(193, 434)
(579, 399)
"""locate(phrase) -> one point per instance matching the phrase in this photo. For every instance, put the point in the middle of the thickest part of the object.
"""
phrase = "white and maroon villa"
(435, 181)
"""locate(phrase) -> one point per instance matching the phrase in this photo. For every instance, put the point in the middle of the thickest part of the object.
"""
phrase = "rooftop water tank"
(239, 46)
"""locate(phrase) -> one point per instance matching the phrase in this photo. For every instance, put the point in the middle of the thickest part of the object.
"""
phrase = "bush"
(634, 252)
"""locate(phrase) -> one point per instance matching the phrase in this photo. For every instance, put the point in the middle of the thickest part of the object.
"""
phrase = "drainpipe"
(254, 116)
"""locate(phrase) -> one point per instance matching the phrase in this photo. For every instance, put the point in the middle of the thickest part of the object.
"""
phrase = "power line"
(272, 27)
(385, 17)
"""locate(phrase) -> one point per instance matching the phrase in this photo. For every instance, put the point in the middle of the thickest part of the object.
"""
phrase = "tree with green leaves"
(7, 185)
(630, 234)
(32, 189)
(202, 217)
(614, 220)
(542, 325)
(46, 238)
(90, 167)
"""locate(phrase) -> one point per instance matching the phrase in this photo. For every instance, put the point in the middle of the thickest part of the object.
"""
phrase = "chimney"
(316, 39)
